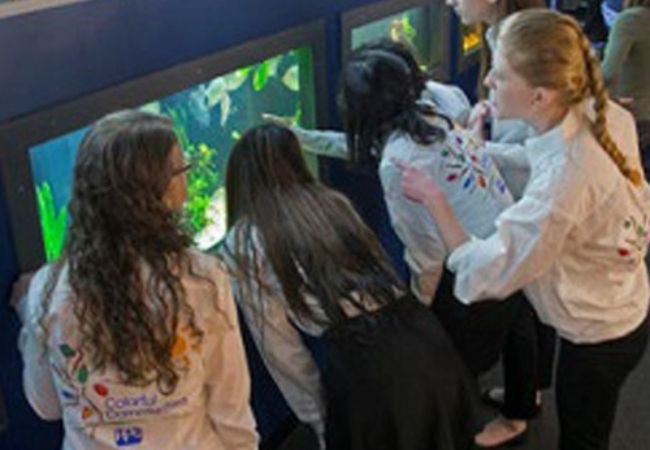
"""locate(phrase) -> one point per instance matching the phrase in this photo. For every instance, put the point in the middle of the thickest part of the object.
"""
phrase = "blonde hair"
(503, 8)
(549, 49)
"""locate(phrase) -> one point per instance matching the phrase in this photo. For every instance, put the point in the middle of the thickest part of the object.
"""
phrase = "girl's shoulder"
(205, 264)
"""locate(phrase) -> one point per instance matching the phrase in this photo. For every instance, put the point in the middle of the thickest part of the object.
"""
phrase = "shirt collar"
(553, 141)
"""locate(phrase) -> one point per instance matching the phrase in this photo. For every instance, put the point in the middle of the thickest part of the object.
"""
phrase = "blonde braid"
(599, 126)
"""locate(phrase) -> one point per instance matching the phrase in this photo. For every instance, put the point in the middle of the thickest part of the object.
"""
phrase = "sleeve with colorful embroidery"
(529, 236)
(38, 381)
(228, 380)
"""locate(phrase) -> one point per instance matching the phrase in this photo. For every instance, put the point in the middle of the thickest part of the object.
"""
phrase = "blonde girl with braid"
(576, 240)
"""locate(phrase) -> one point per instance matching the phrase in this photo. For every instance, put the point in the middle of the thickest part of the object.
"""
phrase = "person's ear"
(542, 98)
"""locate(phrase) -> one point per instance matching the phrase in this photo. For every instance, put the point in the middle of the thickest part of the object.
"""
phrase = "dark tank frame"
(366, 15)
(21, 134)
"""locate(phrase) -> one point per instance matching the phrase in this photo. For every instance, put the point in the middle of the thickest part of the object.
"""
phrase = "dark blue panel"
(58, 54)
(61, 53)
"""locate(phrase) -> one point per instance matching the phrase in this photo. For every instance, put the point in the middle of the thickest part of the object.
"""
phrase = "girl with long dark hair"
(301, 258)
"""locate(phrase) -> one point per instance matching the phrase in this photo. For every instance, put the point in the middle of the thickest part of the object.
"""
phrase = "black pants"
(588, 382)
(478, 331)
(528, 357)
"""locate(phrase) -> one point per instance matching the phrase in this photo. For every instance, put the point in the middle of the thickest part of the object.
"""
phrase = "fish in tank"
(412, 27)
(208, 118)
(471, 38)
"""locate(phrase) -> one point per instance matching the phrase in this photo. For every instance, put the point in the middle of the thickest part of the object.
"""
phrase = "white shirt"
(575, 241)
(209, 408)
(472, 182)
(274, 329)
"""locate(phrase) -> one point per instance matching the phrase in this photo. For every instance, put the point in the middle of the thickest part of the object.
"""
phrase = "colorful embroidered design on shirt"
(93, 399)
(639, 237)
(74, 378)
(464, 165)
(186, 340)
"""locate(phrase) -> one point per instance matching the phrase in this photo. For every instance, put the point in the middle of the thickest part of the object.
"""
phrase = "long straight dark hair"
(313, 239)
(378, 95)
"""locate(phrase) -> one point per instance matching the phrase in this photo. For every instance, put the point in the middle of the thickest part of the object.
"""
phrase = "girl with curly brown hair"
(131, 336)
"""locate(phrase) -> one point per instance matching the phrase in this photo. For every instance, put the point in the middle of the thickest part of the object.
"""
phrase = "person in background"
(131, 337)
(301, 258)
(577, 238)
(626, 68)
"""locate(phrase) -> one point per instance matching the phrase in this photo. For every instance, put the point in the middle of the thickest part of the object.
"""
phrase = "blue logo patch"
(125, 437)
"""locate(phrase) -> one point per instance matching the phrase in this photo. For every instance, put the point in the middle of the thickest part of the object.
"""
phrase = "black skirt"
(395, 382)
(478, 331)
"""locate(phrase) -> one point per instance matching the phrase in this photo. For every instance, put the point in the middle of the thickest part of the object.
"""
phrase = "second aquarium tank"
(414, 26)
(208, 118)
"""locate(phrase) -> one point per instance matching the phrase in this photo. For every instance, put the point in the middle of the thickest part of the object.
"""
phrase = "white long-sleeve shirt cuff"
(457, 256)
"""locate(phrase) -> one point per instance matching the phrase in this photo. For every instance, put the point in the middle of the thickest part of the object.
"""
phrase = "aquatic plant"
(53, 222)
(203, 180)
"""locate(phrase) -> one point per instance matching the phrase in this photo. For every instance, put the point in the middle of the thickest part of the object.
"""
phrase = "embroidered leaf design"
(467, 183)
(101, 390)
(481, 181)
(86, 413)
(68, 395)
(82, 374)
(445, 153)
(67, 351)
(451, 177)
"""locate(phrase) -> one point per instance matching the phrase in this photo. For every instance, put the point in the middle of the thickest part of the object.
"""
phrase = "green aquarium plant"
(53, 221)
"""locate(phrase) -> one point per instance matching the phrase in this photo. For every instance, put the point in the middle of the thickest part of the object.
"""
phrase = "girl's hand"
(20, 289)
(478, 116)
(417, 186)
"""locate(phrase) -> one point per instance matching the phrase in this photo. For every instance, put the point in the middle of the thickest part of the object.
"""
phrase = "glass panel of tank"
(208, 118)
(413, 27)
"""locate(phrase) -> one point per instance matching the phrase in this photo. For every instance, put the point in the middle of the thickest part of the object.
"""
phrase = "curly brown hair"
(126, 250)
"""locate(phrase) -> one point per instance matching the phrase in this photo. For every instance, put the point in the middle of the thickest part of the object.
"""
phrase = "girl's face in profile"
(176, 193)
(511, 96)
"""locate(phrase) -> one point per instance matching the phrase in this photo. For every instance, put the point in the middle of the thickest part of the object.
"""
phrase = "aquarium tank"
(414, 27)
(208, 117)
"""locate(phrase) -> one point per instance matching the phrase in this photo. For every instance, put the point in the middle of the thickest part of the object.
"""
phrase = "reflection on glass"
(208, 118)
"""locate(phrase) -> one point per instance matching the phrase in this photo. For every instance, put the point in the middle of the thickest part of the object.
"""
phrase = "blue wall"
(58, 54)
